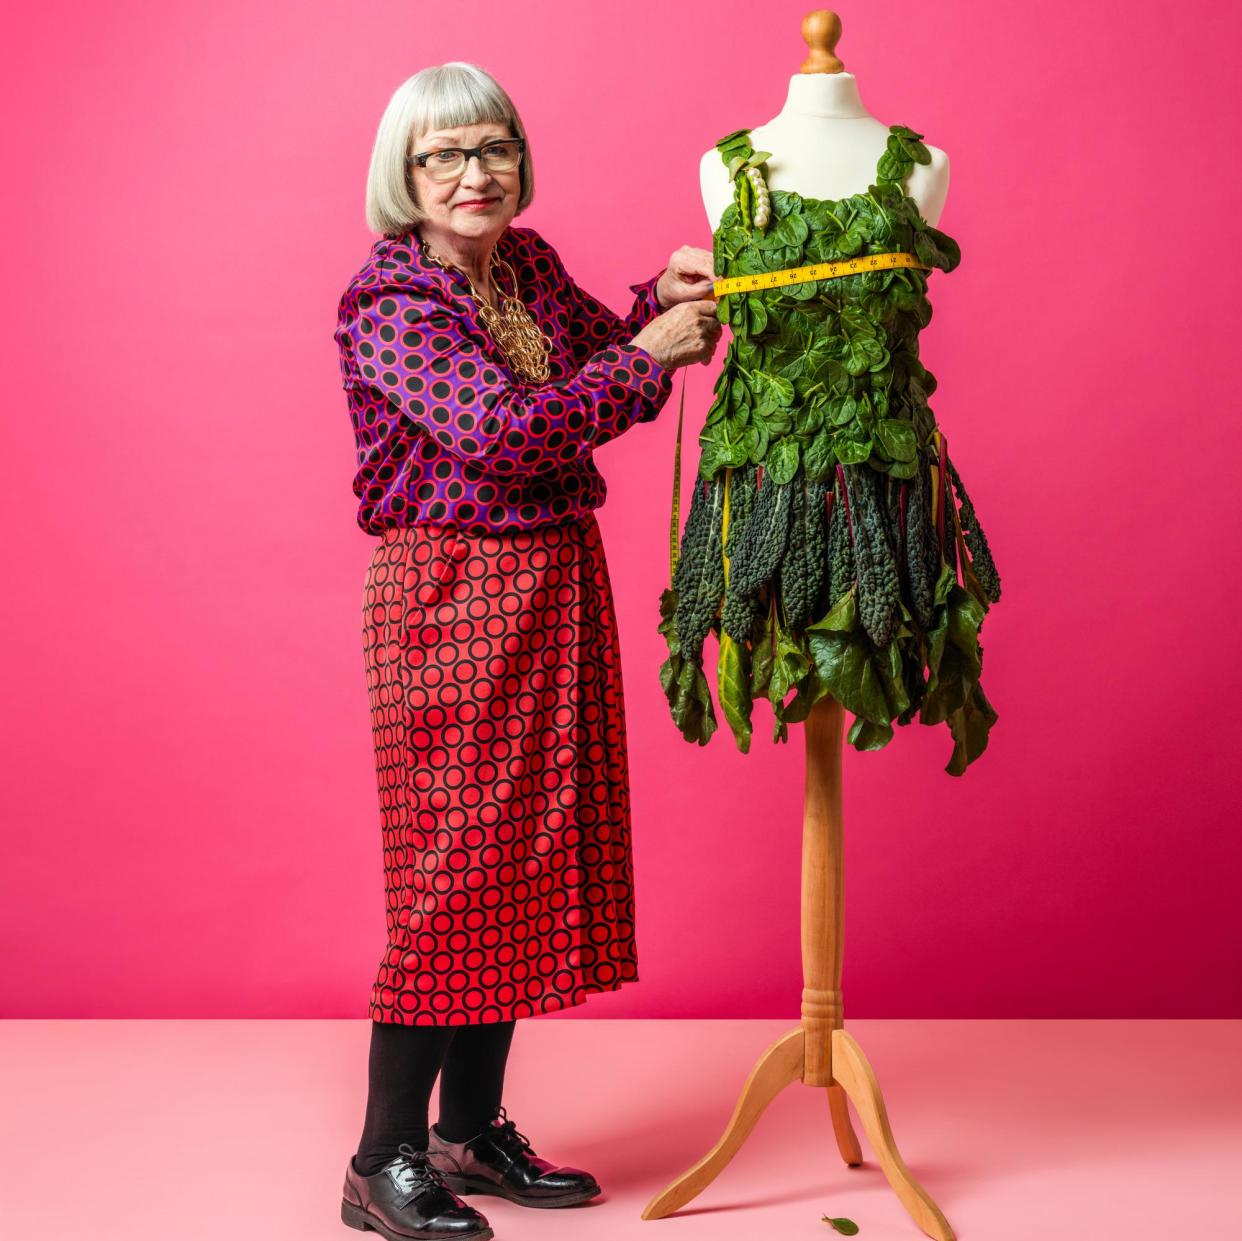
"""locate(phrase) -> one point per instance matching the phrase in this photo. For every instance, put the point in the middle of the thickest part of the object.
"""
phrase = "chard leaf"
(842, 618)
(788, 668)
(810, 691)
(762, 660)
(970, 727)
(691, 703)
(733, 689)
(864, 735)
(867, 682)
(954, 660)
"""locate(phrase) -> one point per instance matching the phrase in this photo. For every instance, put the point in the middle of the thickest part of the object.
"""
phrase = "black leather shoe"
(408, 1199)
(500, 1161)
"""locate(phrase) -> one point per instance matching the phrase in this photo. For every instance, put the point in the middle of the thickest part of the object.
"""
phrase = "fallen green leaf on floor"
(846, 1227)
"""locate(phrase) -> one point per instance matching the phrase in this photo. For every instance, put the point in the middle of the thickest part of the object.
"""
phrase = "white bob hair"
(438, 97)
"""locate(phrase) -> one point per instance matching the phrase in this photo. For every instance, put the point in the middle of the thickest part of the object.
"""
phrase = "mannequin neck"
(832, 96)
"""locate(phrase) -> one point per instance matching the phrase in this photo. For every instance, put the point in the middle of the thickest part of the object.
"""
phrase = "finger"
(691, 261)
(701, 261)
(700, 273)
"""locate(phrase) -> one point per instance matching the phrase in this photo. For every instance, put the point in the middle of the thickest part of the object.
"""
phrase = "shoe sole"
(356, 1217)
(471, 1185)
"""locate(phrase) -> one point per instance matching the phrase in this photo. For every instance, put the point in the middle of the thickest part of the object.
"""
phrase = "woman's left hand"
(688, 278)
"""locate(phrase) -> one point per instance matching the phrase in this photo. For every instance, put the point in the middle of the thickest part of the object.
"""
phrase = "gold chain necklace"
(519, 337)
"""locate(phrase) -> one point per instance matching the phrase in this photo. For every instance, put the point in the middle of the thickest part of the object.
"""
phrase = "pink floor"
(1018, 1129)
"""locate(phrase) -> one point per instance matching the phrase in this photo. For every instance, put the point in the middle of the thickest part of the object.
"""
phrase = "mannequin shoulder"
(714, 185)
(928, 184)
(939, 166)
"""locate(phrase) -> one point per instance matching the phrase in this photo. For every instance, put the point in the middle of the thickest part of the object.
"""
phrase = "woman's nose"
(475, 173)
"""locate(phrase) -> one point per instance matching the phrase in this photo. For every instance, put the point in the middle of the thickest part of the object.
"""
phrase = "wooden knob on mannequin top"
(820, 32)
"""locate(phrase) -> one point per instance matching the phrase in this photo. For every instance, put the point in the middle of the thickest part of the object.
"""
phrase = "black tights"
(402, 1067)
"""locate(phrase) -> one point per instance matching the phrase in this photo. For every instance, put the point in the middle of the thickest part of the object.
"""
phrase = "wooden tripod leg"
(820, 1052)
(857, 1078)
(847, 1139)
(780, 1065)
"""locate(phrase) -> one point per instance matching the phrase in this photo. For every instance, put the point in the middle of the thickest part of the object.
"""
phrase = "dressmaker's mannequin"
(825, 144)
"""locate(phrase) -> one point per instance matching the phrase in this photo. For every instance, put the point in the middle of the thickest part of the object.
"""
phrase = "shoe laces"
(422, 1172)
(511, 1131)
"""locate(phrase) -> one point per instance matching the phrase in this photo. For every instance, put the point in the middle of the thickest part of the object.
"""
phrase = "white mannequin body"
(825, 144)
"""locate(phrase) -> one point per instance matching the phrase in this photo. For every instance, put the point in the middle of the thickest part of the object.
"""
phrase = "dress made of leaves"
(829, 543)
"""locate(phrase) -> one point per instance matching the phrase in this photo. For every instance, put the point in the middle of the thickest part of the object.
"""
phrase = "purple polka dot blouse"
(445, 432)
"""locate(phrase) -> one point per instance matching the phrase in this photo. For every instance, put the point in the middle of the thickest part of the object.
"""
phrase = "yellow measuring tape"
(754, 284)
(674, 533)
(817, 271)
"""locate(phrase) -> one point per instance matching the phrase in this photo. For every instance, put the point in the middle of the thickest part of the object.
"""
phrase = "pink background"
(189, 798)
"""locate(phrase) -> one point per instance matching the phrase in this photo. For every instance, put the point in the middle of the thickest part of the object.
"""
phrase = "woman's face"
(445, 203)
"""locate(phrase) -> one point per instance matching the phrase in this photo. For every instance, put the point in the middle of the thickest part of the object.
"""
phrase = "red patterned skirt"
(494, 682)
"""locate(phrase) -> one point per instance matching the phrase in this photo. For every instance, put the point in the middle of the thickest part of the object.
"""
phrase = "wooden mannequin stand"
(819, 1052)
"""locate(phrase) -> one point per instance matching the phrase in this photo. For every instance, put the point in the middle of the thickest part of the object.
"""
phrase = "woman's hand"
(687, 278)
(687, 333)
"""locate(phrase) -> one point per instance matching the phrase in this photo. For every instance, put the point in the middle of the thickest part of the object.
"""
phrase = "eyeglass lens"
(450, 163)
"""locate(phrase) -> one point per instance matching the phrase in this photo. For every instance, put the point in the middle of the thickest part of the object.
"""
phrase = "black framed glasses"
(447, 164)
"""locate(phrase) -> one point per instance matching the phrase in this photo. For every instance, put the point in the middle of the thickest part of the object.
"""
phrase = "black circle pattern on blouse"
(498, 717)
(402, 350)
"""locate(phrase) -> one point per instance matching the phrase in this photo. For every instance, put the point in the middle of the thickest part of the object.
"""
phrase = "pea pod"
(745, 199)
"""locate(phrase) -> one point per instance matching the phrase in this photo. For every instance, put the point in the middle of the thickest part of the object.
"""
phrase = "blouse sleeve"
(594, 326)
(411, 346)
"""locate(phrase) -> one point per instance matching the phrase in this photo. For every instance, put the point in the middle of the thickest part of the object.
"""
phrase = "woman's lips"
(477, 205)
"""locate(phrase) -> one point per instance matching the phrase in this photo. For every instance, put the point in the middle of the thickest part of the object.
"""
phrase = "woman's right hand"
(689, 332)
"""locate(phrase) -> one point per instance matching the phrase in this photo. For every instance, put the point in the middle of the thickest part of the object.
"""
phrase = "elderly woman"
(480, 378)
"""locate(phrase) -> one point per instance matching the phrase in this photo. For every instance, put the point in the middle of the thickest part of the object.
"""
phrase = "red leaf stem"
(845, 497)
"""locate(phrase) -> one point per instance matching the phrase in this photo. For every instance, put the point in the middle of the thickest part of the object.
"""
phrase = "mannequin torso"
(825, 145)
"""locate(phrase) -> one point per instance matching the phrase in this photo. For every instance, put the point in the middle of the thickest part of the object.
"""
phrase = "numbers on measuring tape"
(817, 271)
